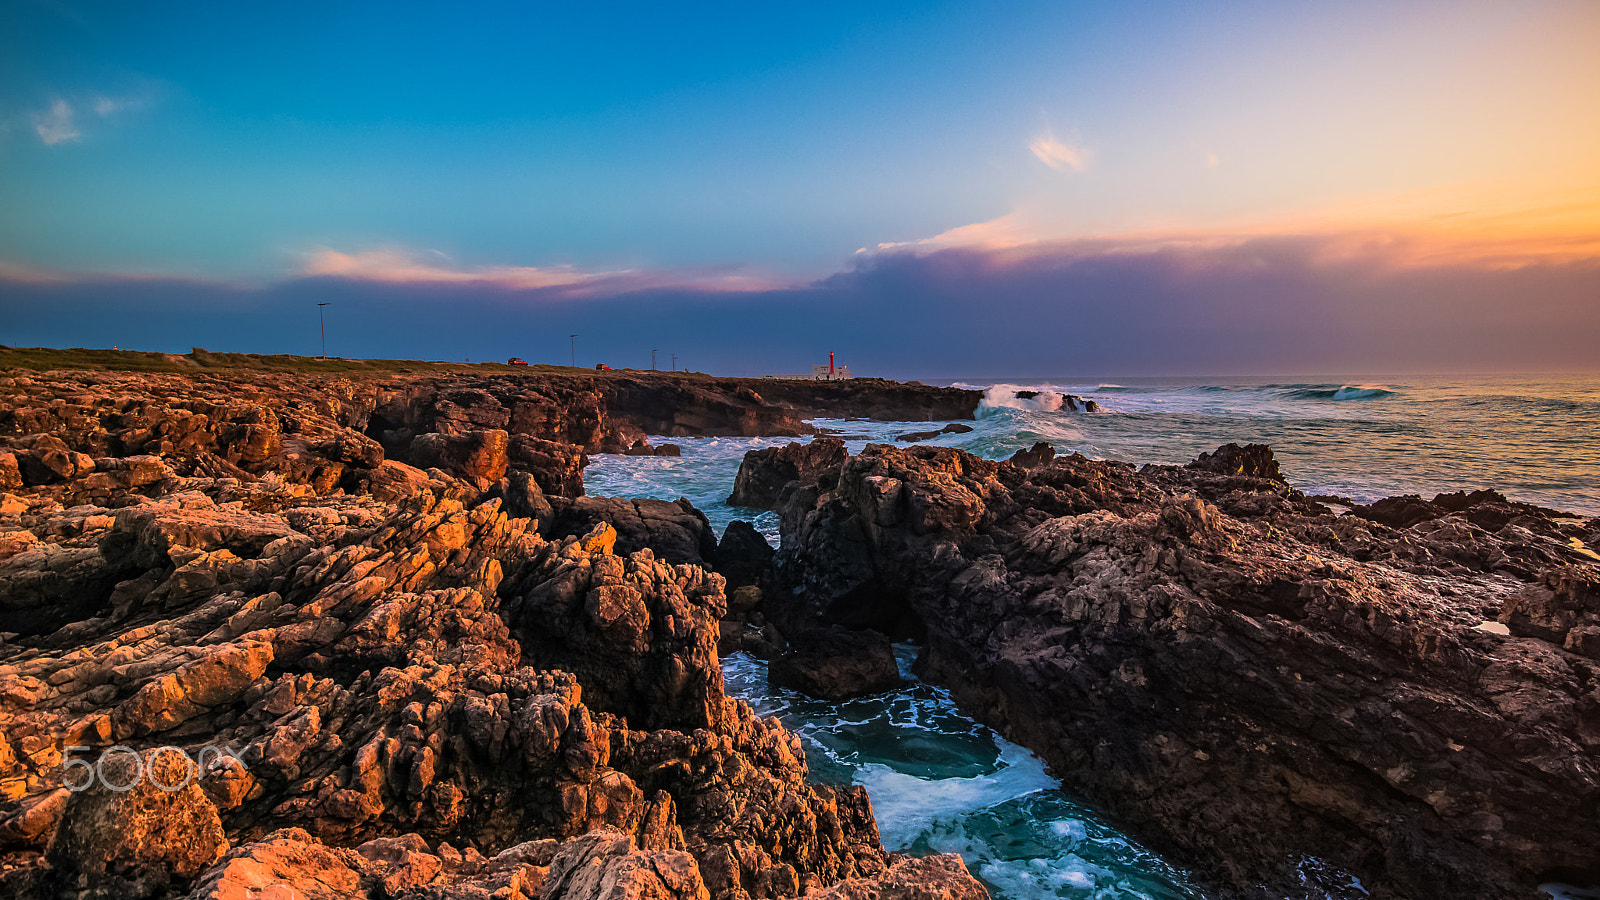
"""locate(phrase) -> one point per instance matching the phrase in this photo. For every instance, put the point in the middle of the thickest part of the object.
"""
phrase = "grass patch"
(201, 360)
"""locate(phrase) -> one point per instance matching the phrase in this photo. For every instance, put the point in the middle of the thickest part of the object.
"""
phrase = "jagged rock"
(942, 877)
(1034, 457)
(836, 663)
(1253, 460)
(675, 531)
(604, 865)
(394, 481)
(479, 457)
(147, 831)
(1199, 644)
(1563, 609)
(764, 473)
(353, 449)
(10, 472)
(294, 865)
(240, 572)
(524, 498)
(669, 450)
(556, 467)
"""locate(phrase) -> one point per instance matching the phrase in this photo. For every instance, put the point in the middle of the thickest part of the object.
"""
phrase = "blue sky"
(658, 162)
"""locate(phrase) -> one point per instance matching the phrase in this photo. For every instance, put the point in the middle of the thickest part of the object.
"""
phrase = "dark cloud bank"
(1269, 306)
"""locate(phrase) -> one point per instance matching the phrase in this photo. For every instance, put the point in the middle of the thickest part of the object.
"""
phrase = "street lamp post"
(323, 328)
(652, 359)
(572, 339)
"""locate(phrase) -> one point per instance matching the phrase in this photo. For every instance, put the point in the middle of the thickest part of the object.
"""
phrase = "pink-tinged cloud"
(1059, 155)
(395, 266)
(21, 274)
(1474, 227)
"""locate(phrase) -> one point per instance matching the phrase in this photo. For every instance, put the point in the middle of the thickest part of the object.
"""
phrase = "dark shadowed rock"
(1034, 457)
(669, 450)
(764, 473)
(1253, 460)
(836, 663)
(743, 555)
(952, 428)
(674, 530)
(1202, 643)
(523, 497)
(556, 467)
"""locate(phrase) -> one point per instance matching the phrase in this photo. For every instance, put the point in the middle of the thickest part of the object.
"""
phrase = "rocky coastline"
(286, 635)
(367, 636)
(1277, 695)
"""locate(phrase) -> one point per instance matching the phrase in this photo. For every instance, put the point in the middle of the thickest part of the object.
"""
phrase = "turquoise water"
(941, 782)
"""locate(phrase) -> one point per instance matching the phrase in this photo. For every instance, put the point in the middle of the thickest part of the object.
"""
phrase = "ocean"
(942, 782)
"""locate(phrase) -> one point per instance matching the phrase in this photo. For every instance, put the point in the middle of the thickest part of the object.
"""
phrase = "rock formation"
(246, 651)
(1243, 678)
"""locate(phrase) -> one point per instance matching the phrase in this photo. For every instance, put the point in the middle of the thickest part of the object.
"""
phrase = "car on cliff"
(516, 361)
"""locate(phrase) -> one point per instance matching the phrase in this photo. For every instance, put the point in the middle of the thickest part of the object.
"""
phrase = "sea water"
(941, 782)
(1535, 439)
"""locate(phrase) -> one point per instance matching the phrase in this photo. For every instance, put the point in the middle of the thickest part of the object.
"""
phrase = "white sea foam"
(1004, 396)
(904, 804)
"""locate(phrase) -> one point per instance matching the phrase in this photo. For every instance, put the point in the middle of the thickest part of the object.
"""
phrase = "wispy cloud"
(1059, 155)
(56, 125)
(16, 272)
(67, 117)
(398, 266)
(395, 265)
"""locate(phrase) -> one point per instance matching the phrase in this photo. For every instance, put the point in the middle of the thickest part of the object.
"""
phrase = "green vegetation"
(201, 360)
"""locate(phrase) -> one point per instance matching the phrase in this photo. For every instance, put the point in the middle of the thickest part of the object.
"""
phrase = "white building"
(822, 372)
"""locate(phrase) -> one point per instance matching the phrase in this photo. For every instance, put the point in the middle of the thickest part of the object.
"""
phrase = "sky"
(928, 189)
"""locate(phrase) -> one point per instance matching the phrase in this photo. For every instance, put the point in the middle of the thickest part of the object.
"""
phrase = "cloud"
(56, 125)
(398, 266)
(21, 274)
(1482, 226)
(64, 119)
(1058, 155)
(1275, 304)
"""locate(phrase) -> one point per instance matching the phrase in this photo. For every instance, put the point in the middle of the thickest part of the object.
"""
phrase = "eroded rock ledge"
(1245, 679)
(421, 691)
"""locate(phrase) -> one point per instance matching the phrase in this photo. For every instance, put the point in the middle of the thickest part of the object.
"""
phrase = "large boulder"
(743, 555)
(1253, 460)
(137, 818)
(764, 473)
(836, 663)
(556, 467)
(674, 530)
(478, 457)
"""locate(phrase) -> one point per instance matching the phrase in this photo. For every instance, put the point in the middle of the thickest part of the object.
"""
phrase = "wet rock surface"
(1243, 678)
(338, 674)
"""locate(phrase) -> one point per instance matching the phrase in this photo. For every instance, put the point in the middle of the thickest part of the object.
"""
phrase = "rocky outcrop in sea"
(1278, 695)
(247, 651)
